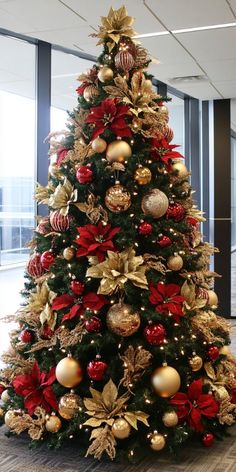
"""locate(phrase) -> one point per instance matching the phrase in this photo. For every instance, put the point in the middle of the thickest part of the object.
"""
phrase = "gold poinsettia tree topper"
(117, 24)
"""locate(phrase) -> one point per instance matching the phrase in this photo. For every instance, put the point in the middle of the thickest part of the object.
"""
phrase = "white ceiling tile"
(68, 37)
(233, 5)
(12, 22)
(167, 71)
(217, 70)
(166, 49)
(210, 45)
(227, 88)
(202, 91)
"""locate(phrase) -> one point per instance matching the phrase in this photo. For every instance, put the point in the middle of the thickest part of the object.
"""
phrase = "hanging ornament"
(105, 74)
(165, 381)
(155, 203)
(155, 334)
(170, 419)
(47, 259)
(117, 198)
(90, 92)
(69, 405)
(175, 211)
(77, 287)
(121, 428)
(93, 324)
(68, 372)
(99, 145)
(157, 441)
(180, 168)
(168, 133)
(213, 353)
(42, 227)
(175, 263)
(202, 293)
(118, 151)
(27, 336)
(34, 266)
(59, 222)
(10, 417)
(196, 363)
(192, 221)
(164, 241)
(53, 424)
(145, 228)
(208, 439)
(84, 175)
(122, 319)
(5, 397)
(143, 175)
(96, 369)
(69, 253)
(212, 298)
(124, 60)
(225, 351)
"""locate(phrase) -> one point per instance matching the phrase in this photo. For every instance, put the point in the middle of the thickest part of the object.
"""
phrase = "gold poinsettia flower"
(63, 195)
(117, 24)
(117, 269)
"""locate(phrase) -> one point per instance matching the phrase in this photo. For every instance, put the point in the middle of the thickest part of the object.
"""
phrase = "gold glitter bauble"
(181, 168)
(212, 298)
(69, 253)
(69, 405)
(155, 203)
(118, 151)
(117, 198)
(157, 442)
(175, 263)
(196, 363)
(68, 372)
(90, 92)
(105, 74)
(10, 417)
(121, 428)
(123, 320)
(165, 381)
(170, 419)
(99, 145)
(53, 424)
(5, 397)
(143, 175)
(225, 350)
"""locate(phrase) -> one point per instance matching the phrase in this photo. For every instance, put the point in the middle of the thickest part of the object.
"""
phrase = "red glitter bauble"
(155, 334)
(96, 369)
(164, 241)
(27, 336)
(93, 324)
(59, 222)
(213, 352)
(47, 259)
(175, 211)
(84, 175)
(77, 287)
(145, 228)
(208, 439)
(34, 266)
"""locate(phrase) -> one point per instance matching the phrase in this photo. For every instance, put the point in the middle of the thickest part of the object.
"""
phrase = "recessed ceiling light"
(188, 79)
(186, 30)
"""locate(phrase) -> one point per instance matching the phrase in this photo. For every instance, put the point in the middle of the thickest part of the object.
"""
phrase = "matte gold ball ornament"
(212, 298)
(180, 168)
(69, 405)
(121, 428)
(196, 363)
(105, 74)
(175, 263)
(68, 372)
(118, 151)
(170, 419)
(165, 381)
(90, 92)
(122, 319)
(143, 175)
(53, 424)
(155, 203)
(117, 198)
(157, 441)
(69, 253)
(99, 145)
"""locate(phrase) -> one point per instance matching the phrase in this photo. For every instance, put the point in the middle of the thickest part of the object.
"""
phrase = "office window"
(176, 120)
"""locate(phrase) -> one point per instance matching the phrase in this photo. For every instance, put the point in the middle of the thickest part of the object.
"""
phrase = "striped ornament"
(34, 266)
(90, 92)
(124, 60)
(202, 293)
(59, 222)
(42, 226)
(169, 134)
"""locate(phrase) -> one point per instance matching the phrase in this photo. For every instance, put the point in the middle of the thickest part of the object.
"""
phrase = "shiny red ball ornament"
(47, 259)
(59, 222)
(175, 211)
(96, 369)
(208, 439)
(155, 334)
(93, 324)
(27, 336)
(145, 228)
(84, 175)
(164, 241)
(213, 352)
(77, 287)
(34, 266)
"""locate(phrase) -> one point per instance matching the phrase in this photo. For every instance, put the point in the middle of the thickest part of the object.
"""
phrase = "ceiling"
(207, 53)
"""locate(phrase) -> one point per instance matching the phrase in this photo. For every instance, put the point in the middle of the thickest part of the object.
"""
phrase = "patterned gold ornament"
(123, 320)
(157, 441)
(143, 175)
(165, 381)
(170, 419)
(212, 298)
(105, 74)
(90, 92)
(155, 203)
(117, 198)
(69, 253)
(99, 145)
(180, 168)
(196, 363)
(10, 418)
(69, 405)
(121, 428)
(175, 263)
(68, 372)
(53, 424)
(118, 151)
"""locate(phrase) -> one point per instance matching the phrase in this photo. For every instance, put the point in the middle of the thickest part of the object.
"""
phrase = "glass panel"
(176, 121)
(233, 226)
(17, 148)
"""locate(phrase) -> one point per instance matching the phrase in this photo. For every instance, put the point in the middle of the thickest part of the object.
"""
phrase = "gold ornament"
(157, 442)
(1, 412)
(165, 381)
(69, 405)
(90, 92)
(212, 298)
(117, 198)
(168, 133)
(181, 168)
(175, 263)
(99, 145)
(225, 350)
(143, 175)
(68, 372)
(105, 74)
(123, 320)
(155, 203)
(53, 424)
(118, 151)
(196, 363)
(10, 418)
(5, 397)
(121, 428)
(163, 109)
(170, 419)
(69, 253)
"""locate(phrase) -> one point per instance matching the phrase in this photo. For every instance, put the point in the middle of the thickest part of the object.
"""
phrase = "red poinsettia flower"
(109, 115)
(194, 405)
(77, 306)
(163, 151)
(36, 388)
(96, 240)
(167, 299)
(61, 154)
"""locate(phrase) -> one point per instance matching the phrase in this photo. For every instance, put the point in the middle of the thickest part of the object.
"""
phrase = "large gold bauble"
(225, 350)
(10, 417)
(155, 203)
(90, 92)
(123, 320)
(53, 424)
(157, 442)
(175, 263)
(5, 397)
(99, 145)
(117, 199)
(181, 169)
(170, 419)
(196, 363)
(68, 372)
(165, 381)
(69, 253)
(212, 298)
(118, 151)
(105, 74)
(143, 175)
(69, 405)
(121, 428)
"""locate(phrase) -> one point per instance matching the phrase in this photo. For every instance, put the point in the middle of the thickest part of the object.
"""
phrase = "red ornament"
(155, 334)
(47, 259)
(46, 332)
(145, 228)
(164, 241)
(213, 352)
(77, 287)
(96, 369)
(208, 439)
(192, 221)
(84, 175)
(59, 222)
(124, 60)
(34, 266)
(175, 211)
(93, 324)
(43, 226)
(27, 336)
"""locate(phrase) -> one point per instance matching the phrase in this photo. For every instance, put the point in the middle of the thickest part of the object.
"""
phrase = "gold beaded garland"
(69, 405)
(123, 320)
(165, 381)
(143, 175)
(121, 428)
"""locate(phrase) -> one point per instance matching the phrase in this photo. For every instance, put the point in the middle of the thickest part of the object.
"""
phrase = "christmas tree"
(119, 345)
